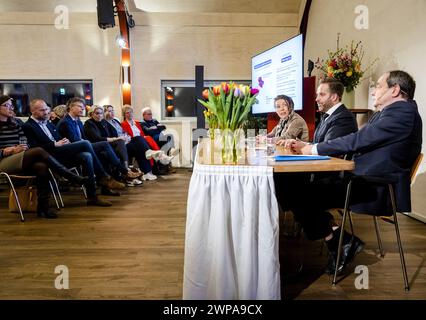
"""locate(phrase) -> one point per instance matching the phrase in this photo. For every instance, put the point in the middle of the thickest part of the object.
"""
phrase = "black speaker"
(105, 14)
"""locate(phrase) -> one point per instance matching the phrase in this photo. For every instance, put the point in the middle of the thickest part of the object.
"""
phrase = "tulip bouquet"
(228, 105)
(227, 109)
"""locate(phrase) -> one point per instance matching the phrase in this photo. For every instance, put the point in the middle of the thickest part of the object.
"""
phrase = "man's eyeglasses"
(99, 113)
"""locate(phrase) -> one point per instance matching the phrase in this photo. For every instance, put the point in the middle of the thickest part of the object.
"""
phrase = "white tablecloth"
(232, 234)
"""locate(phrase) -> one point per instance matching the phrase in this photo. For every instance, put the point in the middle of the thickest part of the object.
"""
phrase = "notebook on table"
(298, 157)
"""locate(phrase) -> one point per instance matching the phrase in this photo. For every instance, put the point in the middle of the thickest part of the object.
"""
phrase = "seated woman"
(155, 129)
(137, 147)
(134, 129)
(58, 113)
(16, 158)
(291, 125)
(96, 129)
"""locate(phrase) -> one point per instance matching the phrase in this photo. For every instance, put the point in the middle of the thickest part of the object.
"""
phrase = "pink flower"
(254, 91)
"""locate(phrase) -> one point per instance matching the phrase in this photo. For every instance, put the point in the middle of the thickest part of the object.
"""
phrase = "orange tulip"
(205, 94)
(216, 90)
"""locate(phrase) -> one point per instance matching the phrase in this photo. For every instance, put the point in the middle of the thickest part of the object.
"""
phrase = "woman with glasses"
(16, 158)
(291, 125)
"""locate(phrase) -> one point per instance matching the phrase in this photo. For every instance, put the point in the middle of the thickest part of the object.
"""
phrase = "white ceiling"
(226, 6)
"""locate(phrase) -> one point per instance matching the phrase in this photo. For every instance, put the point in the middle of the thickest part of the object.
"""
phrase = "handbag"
(27, 196)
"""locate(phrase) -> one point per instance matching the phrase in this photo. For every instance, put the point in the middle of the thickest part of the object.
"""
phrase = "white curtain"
(231, 240)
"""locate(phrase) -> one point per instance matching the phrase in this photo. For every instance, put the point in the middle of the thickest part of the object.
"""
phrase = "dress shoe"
(111, 183)
(96, 201)
(109, 192)
(133, 175)
(350, 250)
(49, 214)
(78, 180)
(351, 246)
(331, 264)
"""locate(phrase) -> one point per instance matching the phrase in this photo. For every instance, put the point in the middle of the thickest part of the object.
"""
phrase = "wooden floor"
(134, 250)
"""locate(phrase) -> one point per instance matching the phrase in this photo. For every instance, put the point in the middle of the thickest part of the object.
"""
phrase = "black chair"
(390, 186)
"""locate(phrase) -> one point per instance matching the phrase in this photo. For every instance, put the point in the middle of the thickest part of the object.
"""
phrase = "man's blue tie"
(77, 128)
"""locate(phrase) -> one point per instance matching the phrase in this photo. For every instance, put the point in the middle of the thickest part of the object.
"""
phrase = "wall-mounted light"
(121, 42)
(125, 74)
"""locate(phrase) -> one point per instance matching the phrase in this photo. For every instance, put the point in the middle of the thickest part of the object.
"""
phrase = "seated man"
(71, 127)
(133, 128)
(386, 146)
(42, 133)
(153, 128)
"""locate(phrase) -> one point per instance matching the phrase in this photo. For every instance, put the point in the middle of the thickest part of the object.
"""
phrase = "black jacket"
(98, 130)
(387, 147)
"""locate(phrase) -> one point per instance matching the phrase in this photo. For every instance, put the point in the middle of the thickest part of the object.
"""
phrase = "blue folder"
(300, 158)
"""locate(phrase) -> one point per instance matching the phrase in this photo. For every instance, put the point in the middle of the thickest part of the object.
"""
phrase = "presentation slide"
(279, 70)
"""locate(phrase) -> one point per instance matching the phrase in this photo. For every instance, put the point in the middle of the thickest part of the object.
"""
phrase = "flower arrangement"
(227, 109)
(228, 105)
(344, 64)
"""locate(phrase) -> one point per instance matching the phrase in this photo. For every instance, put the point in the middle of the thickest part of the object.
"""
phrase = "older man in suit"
(41, 133)
(387, 146)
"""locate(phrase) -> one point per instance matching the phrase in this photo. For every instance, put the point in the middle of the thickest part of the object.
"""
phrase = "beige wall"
(168, 47)
(32, 48)
(395, 36)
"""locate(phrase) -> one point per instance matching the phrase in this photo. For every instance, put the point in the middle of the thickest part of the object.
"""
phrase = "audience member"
(16, 158)
(71, 127)
(43, 134)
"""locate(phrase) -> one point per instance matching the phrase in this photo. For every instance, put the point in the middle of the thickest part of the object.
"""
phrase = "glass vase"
(233, 146)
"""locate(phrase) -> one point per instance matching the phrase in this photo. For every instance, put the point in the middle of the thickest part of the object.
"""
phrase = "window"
(178, 97)
(54, 92)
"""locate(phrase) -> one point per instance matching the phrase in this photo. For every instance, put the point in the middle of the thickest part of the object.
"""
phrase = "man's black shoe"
(49, 214)
(351, 246)
(331, 264)
(350, 250)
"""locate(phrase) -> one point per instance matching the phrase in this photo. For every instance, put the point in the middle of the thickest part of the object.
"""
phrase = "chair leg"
(82, 187)
(379, 238)
(54, 194)
(351, 224)
(398, 238)
(55, 183)
(345, 212)
(15, 195)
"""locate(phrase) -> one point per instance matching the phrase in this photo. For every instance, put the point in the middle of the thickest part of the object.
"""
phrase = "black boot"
(65, 172)
(43, 197)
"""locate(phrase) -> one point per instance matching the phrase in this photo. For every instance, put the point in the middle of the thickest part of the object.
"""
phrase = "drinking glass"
(251, 142)
(270, 147)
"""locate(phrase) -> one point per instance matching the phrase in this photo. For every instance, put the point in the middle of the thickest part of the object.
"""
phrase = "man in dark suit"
(336, 120)
(41, 133)
(387, 146)
(71, 127)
